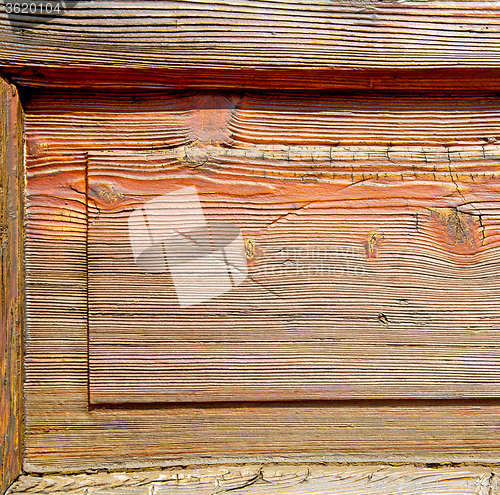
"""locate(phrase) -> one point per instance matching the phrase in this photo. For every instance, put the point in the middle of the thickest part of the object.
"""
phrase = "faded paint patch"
(373, 243)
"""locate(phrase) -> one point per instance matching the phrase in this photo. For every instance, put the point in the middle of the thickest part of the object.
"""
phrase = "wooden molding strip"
(269, 480)
(11, 283)
(314, 44)
(423, 80)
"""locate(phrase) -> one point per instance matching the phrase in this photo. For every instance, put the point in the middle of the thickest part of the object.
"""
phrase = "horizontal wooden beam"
(270, 480)
(422, 80)
(318, 44)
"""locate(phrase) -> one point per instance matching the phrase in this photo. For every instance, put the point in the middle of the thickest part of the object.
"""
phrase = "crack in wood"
(269, 479)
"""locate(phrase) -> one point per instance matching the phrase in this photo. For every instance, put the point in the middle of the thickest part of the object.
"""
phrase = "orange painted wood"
(410, 179)
(12, 283)
(428, 154)
(355, 285)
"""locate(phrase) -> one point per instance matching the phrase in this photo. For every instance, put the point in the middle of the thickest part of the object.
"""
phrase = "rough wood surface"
(355, 288)
(306, 44)
(268, 480)
(12, 284)
(64, 129)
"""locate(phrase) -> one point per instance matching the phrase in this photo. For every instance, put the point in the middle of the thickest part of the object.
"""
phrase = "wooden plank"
(12, 283)
(307, 44)
(446, 79)
(267, 480)
(63, 434)
(160, 120)
(355, 286)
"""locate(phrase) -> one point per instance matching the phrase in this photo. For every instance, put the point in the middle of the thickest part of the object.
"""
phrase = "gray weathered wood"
(267, 480)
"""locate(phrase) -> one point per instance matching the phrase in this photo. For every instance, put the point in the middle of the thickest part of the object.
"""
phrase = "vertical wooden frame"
(11, 288)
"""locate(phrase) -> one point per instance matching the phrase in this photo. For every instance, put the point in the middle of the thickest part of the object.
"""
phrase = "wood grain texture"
(310, 44)
(334, 79)
(65, 128)
(12, 283)
(355, 289)
(267, 480)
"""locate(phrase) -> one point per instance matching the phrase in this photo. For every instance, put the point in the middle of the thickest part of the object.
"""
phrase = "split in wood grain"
(272, 479)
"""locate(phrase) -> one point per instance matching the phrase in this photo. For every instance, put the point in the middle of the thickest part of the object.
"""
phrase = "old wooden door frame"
(311, 45)
(11, 275)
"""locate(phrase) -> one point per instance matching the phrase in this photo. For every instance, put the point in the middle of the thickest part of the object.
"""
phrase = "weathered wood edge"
(255, 34)
(314, 44)
(276, 479)
(11, 279)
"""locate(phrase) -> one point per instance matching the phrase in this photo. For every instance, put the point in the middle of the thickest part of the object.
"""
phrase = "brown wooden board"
(333, 79)
(270, 480)
(12, 283)
(309, 44)
(355, 285)
(67, 130)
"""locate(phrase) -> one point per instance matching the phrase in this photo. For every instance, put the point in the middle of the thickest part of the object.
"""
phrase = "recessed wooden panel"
(357, 263)
(63, 129)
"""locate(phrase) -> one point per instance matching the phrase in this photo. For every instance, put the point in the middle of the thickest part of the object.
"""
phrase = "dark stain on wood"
(461, 231)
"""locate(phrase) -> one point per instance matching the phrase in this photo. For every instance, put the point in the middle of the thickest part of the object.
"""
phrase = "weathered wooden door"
(281, 248)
